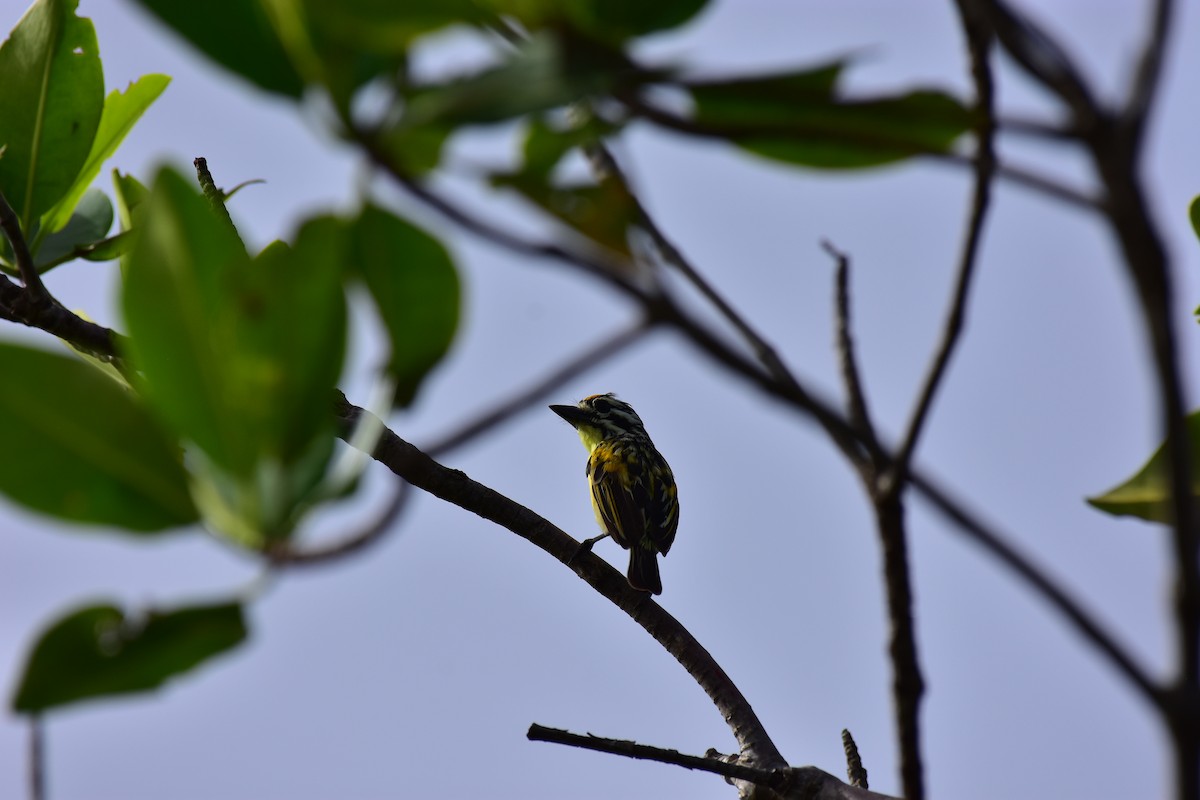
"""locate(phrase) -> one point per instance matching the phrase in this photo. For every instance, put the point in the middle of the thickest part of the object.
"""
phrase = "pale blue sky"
(417, 668)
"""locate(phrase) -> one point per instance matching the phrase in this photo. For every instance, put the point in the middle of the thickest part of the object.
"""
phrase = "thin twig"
(1146, 76)
(35, 291)
(772, 778)
(857, 411)
(979, 42)
(288, 555)
(499, 412)
(1042, 57)
(855, 770)
(37, 758)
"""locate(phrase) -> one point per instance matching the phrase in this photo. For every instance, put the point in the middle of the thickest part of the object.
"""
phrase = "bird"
(633, 489)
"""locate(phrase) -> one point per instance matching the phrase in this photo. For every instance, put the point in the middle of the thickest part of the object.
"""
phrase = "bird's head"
(600, 417)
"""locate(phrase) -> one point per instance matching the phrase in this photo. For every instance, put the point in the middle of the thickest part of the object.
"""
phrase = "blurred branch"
(286, 554)
(499, 412)
(37, 758)
(855, 770)
(1147, 75)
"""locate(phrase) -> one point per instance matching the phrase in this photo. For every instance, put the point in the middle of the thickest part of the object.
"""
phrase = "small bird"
(633, 489)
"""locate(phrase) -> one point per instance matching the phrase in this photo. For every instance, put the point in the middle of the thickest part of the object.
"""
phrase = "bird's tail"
(643, 570)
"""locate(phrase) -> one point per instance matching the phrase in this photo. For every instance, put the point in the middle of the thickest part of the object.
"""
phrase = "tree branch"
(857, 410)
(455, 487)
(772, 778)
(35, 291)
(37, 758)
(855, 770)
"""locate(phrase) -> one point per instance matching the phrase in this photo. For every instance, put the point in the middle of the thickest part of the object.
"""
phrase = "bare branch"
(35, 291)
(499, 412)
(1146, 76)
(773, 778)
(855, 770)
(857, 411)
(1042, 57)
(455, 487)
(978, 43)
(286, 554)
(37, 758)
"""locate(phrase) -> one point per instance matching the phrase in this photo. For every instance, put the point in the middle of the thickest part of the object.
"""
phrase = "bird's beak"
(572, 414)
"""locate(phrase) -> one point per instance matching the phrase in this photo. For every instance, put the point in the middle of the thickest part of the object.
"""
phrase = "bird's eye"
(601, 405)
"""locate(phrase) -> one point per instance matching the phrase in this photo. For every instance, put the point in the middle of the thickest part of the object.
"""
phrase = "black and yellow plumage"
(633, 490)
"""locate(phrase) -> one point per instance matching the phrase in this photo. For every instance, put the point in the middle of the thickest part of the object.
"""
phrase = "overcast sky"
(416, 669)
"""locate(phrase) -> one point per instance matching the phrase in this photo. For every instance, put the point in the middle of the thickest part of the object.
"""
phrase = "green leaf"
(89, 224)
(129, 193)
(99, 651)
(601, 213)
(52, 93)
(178, 309)
(415, 286)
(798, 118)
(1147, 495)
(545, 145)
(239, 355)
(80, 447)
(546, 72)
(385, 27)
(121, 111)
(612, 21)
(617, 20)
(237, 35)
(1194, 215)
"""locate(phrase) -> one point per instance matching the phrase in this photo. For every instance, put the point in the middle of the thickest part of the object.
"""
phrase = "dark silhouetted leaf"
(98, 652)
(89, 224)
(237, 35)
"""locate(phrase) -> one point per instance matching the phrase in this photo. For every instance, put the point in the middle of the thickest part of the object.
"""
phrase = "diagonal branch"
(979, 42)
(455, 487)
(1146, 76)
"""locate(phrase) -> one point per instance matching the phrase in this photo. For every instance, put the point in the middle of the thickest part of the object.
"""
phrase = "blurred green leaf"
(1147, 495)
(612, 21)
(99, 651)
(90, 223)
(239, 355)
(178, 307)
(546, 72)
(797, 118)
(415, 150)
(121, 111)
(545, 144)
(1194, 215)
(129, 193)
(601, 213)
(80, 447)
(385, 27)
(236, 34)
(415, 285)
(52, 94)
(617, 20)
